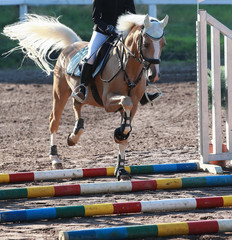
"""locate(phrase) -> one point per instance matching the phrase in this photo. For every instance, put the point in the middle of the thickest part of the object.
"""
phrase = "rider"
(105, 15)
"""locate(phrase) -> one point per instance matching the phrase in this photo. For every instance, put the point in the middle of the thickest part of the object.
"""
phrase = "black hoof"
(122, 175)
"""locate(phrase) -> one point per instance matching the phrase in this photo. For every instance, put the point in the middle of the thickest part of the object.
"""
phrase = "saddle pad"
(73, 68)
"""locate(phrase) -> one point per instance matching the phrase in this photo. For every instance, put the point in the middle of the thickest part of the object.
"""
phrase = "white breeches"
(96, 41)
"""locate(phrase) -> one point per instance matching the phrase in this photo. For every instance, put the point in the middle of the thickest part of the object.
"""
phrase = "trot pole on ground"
(181, 204)
(154, 230)
(96, 172)
(116, 187)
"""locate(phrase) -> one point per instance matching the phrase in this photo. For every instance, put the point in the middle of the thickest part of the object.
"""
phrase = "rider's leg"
(96, 41)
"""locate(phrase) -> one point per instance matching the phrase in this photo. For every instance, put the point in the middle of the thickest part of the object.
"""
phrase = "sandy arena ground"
(163, 133)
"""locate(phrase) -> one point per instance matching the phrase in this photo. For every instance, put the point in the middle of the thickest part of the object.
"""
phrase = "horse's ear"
(164, 22)
(147, 22)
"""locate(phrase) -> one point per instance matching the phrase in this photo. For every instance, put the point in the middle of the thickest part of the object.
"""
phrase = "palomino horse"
(137, 53)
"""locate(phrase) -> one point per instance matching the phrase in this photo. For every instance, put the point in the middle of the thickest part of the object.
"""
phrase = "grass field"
(180, 31)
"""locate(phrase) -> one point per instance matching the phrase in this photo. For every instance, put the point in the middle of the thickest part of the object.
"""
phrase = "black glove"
(111, 30)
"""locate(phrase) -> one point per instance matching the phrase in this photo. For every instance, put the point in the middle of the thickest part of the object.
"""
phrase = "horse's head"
(151, 43)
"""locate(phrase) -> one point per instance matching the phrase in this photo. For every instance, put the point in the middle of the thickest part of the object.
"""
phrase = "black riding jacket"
(106, 12)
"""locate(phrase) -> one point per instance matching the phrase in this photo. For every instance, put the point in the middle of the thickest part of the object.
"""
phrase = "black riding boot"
(149, 98)
(86, 75)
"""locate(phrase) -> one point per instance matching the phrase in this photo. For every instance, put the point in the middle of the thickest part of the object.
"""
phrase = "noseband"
(149, 60)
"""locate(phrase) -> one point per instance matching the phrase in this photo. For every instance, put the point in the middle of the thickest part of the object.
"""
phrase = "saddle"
(75, 64)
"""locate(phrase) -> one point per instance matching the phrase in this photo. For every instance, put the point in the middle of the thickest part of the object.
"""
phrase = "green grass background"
(180, 31)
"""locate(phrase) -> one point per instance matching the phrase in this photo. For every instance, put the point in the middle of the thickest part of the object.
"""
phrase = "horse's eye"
(146, 45)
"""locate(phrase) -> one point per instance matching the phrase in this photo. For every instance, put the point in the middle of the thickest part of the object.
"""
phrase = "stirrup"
(76, 97)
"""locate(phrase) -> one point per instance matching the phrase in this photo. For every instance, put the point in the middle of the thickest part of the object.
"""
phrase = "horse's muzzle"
(154, 78)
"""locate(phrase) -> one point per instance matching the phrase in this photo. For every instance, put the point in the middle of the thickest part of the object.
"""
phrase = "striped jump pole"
(154, 230)
(180, 204)
(114, 187)
(96, 172)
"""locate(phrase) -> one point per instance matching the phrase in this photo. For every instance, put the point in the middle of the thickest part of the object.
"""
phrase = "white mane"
(126, 21)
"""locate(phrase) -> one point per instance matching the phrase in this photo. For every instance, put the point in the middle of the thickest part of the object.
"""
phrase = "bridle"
(141, 59)
(141, 55)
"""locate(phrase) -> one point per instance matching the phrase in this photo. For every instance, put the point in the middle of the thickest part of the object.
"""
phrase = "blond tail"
(39, 36)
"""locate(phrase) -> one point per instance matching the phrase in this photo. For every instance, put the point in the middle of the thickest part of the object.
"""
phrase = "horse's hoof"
(124, 178)
(56, 165)
(73, 138)
(56, 162)
(122, 175)
(69, 141)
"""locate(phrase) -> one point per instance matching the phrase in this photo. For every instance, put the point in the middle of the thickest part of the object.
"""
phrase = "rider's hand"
(111, 30)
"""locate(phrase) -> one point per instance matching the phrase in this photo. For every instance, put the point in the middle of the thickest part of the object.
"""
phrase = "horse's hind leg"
(61, 93)
(79, 126)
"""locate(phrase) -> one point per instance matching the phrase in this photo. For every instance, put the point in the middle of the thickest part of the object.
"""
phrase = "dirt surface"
(163, 133)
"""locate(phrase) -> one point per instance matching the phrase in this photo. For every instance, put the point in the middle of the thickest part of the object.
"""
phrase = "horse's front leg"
(79, 126)
(120, 172)
(122, 133)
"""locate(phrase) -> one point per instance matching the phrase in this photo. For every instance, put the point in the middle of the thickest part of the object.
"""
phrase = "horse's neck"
(131, 42)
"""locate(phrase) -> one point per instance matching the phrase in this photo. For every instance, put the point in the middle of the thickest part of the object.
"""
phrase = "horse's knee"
(126, 103)
(113, 103)
(77, 131)
(126, 100)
